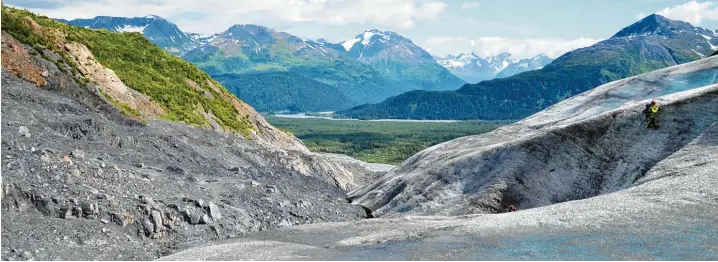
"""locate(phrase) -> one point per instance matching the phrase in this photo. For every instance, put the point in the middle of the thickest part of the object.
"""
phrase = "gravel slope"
(80, 181)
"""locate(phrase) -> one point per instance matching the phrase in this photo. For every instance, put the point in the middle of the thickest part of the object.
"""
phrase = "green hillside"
(140, 64)
(284, 91)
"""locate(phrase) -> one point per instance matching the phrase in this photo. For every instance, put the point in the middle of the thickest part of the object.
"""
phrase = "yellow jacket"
(652, 110)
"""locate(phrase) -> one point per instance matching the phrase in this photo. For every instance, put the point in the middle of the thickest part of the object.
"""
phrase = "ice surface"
(670, 216)
(590, 144)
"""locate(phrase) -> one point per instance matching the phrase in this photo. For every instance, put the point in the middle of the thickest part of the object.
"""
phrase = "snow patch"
(130, 28)
(366, 37)
(712, 46)
(349, 43)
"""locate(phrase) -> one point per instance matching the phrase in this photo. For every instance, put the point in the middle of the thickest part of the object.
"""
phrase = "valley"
(387, 142)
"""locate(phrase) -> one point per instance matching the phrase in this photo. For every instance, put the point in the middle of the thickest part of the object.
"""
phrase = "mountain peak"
(249, 27)
(540, 56)
(368, 36)
(653, 25)
(151, 16)
(503, 55)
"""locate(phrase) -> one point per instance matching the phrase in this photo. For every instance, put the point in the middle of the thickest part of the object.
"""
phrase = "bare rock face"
(17, 61)
(592, 144)
(109, 82)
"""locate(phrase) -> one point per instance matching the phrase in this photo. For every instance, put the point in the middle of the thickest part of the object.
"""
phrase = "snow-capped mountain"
(651, 43)
(473, 68)
(523, 65)
(656, 25)
(398, 58)
(157, 29)
(252, 48)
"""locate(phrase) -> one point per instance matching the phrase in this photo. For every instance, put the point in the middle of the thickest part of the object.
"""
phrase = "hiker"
(512, 208)
(650, 112)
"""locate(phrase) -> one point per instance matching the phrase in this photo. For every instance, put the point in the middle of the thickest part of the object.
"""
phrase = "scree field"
(389, 142)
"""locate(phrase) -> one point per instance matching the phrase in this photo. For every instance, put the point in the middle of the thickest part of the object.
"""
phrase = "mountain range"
(398, 58)
(252, 48)
(157, 29)
(473, 68)
(651, 43)
(371, 67)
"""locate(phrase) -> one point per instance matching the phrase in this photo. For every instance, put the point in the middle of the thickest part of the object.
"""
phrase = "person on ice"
(650, 112)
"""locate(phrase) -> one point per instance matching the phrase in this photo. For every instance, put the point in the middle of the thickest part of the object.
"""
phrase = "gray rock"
(75, 172)
(186, 214)
(77, 211)
(89, 210)
(234, 169)
(23, 131)
(148, 227)
(157, 220)
(118, 219)
(78, 153)
(194, 219)
(201, 203)
(148, 200)
(177, 170)
(66, 213)
(104, 221)
(214, 211)
(205, 219)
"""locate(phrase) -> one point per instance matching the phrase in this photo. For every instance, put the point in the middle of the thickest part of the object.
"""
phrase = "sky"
(523, 28)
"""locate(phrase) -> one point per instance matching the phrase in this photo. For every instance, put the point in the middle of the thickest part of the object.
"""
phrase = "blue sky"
(487, 27)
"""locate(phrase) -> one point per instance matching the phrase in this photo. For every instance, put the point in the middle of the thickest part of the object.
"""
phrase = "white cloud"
(640, 16)
(693, 12)
(222, 14)
(518, 47)
(470, 5)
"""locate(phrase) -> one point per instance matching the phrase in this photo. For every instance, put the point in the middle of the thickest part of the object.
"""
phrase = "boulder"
(23, 131)
(214, 211)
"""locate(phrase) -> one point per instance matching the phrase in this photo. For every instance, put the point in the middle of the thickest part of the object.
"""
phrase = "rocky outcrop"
(109, 82)
(589, 145)
(16, 60)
